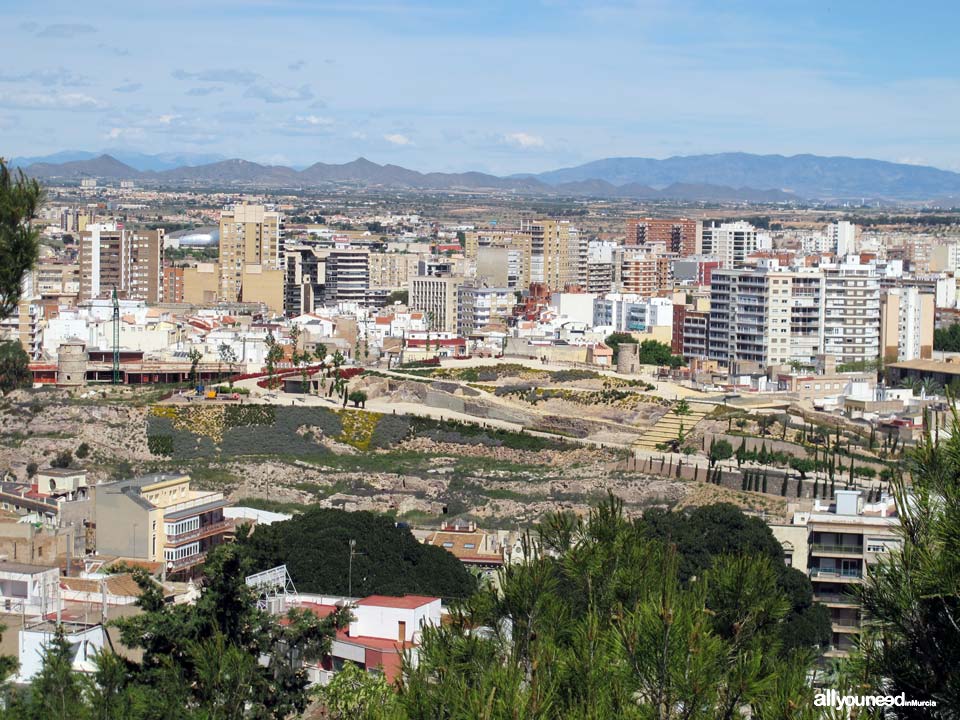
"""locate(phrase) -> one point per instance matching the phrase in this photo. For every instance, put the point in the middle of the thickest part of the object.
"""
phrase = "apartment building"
(104, 260)
(851, 317)
(646, 271)
(632, 313)
(555, 253)
(146, 265)
(158, 518)
(392, 271)
(481, 306)
(765, 316)
(304, 278)
(250, 237)
(437, 297)
(496, 249)
(695, 270)
(730, 243)
(842, 237)
(58, 278)
(836, 544)
(694, 334)
(172, 291)
(679, 235)
(906, 324)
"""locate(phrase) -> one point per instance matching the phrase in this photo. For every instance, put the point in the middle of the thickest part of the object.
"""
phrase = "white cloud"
(397, 139)
(307, 125)
(523, 140)
(123, 133)
(59, 76)
(50, 101)
(278, 93)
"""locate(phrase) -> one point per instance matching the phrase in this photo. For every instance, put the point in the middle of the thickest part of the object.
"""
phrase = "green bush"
(160, 444)
(391, 430)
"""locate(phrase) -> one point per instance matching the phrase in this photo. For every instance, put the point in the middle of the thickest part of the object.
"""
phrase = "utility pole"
(353, 544)
(116, 338)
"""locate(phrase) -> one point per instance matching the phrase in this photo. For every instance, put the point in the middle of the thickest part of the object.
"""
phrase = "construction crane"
(116, 338)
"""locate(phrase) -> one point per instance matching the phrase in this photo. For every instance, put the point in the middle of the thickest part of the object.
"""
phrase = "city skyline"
(500, 88)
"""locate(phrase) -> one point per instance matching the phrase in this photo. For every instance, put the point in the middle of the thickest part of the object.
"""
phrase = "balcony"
(836, 574)
(185, 562)
(844, 599)
(203, 531)
(825, 548)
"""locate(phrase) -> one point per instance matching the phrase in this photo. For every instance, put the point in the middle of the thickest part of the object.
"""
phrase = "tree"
(14, 364)
(910, 597)
(82, 450)
(720, 450)
(682, 407)
(765, 422)
(31, 469)
(63, 459)
(614, 340)
(56, 693)
(398, 296)
(273, 356)
(354, 694)
(802, 466)
(609, 626)
(358, 398)
(20, 199)
(194, 356)
(228, 356)
(315, 546)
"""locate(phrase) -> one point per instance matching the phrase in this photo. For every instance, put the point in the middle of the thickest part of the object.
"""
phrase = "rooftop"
(23, 568)
(408, 602)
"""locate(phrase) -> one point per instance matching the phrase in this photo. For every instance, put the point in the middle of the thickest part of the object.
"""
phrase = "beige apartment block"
(555, 253)
(146, 265)
(201, 284)
(249, 235)
(437, 298)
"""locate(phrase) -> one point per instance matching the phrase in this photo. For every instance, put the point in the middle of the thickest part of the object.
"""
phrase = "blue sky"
(489, 84)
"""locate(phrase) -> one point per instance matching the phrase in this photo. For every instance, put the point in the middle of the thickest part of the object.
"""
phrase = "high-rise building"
(843, 237)
(346, 277)
(146, 265)
(250, 235)
(730, 243)
(851, 317)
(906, 324)
(437, 297)
(555, 253)
(304, 276)
(646, 271)
(679, 235)
(765, 316)
(104, 261)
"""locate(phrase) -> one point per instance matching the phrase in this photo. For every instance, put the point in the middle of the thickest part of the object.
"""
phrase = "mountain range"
(737, 177)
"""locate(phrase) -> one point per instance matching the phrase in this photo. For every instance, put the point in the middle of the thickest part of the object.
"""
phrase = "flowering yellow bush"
(198, 419)
(358, 427)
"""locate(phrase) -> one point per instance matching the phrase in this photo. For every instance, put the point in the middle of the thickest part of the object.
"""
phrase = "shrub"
(31, 469)
(83, 450)
(62, 460)
(391, 430)
(160, 444)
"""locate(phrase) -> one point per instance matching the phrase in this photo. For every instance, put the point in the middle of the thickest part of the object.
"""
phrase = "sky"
(499, 86)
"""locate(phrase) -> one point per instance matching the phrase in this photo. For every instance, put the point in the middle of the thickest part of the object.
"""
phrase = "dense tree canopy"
(315, 546)
(14, 366)
(911, 598)
(607, 624)
(20, 199)
(947, 339)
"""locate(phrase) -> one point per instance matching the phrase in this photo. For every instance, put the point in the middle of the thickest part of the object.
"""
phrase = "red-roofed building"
(383, 629)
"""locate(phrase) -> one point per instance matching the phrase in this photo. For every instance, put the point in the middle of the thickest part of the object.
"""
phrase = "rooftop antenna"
(116, 338)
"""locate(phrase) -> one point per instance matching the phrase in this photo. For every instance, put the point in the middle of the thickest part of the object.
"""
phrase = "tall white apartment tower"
(843, 237)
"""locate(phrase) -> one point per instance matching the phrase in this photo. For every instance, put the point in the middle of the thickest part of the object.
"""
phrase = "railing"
(194, 502)
(835, 572)
(187, 561)
(202, 531)
(846, 598)
(847, 549)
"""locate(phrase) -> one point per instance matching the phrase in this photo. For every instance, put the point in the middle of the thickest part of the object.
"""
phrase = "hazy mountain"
(138, 161)
(103, 167)
(808, 176)
(735, 177)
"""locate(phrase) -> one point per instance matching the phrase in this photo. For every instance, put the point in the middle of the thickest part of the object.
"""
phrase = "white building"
(843, 237)
(730, 242)
(632, 313)
(28, 589)
(574, 306)
(87, 639)
(851, 318)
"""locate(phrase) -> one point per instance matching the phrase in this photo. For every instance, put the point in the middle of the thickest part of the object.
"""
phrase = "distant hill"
(806, 176)
(730, 177)
(138, 161)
